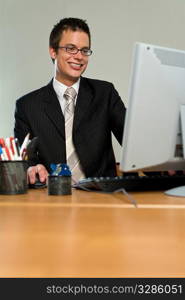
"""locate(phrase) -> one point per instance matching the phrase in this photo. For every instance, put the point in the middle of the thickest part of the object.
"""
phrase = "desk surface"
(92, 235)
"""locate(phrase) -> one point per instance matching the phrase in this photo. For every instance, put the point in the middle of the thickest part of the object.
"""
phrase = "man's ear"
(52, 53)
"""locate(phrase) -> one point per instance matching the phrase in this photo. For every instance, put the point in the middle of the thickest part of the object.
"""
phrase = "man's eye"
(71, 48)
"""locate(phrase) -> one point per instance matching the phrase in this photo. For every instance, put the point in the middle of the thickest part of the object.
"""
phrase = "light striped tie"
(71, 155)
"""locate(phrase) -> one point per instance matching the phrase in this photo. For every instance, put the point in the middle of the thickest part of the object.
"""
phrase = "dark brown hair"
(73, 24)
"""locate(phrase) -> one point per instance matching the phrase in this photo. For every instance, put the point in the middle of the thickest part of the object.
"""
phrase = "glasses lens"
(86, 52)
(74, 50)
(71, 49)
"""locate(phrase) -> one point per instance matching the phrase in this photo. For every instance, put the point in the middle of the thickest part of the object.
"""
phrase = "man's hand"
(33, 171)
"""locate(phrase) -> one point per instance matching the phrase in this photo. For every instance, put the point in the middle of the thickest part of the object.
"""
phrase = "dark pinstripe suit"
(99, 110)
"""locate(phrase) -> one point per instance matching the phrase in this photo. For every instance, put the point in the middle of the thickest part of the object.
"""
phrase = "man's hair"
(73, 24)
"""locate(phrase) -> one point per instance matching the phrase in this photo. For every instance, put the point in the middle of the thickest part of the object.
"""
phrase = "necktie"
(71, 155)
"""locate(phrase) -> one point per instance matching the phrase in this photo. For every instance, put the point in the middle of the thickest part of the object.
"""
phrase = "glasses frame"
(67, 48)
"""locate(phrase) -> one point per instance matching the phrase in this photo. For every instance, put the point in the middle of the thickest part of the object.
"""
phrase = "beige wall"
(115, 26)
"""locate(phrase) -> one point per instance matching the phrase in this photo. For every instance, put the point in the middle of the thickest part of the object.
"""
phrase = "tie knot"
(70, 93)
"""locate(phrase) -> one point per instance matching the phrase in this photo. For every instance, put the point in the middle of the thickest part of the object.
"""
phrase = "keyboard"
(131, 183)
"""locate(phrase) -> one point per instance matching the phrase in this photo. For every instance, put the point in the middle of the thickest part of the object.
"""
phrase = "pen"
(5, 152)
(15, 147)
(5, 156)
(12, 148)
(8, 149)
(9, 156)
(2, 142)
(1, 154)
(24, 144)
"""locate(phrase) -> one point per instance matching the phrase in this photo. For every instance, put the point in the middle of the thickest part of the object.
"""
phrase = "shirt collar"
(60, 88)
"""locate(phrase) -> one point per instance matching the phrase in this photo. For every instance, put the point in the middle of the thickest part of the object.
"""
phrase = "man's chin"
(76, 75)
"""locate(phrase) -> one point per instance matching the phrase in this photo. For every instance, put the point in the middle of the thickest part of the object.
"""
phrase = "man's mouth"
(76, 66)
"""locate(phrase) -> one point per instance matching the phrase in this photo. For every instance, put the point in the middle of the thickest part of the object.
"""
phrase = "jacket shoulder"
(97, 82)
(34, 94)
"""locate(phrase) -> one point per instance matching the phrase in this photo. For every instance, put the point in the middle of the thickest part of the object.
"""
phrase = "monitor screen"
(152, 139)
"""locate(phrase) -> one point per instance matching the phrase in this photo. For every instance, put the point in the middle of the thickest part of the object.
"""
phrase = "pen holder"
(59, 185)
(13, 177)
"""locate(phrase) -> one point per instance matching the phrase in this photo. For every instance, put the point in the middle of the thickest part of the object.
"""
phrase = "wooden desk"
(92, 235)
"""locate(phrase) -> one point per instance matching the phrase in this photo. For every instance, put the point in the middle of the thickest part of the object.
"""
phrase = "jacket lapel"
(83, 103)
(53, 109)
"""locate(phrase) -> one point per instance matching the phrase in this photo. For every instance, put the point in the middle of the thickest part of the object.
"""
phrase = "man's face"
(69, 67)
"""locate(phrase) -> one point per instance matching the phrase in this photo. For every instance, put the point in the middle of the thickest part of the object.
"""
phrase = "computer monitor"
(155, 117)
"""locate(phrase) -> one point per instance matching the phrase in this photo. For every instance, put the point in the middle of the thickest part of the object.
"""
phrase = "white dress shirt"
(60, 89)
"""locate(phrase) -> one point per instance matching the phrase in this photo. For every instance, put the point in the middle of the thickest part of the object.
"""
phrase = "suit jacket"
(99, 111)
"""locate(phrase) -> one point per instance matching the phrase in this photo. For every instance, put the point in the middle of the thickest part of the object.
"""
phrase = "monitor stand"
(179, 191)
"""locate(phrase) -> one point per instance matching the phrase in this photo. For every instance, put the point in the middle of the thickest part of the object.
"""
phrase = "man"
(98, 109)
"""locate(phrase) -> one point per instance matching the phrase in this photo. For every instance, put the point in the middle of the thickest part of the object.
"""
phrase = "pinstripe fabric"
(72, 158)
(98, 111)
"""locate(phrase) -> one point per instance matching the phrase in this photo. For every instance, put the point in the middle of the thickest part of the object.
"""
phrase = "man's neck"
(67, 81)
(58, 84)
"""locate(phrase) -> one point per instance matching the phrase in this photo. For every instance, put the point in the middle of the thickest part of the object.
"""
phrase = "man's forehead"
(70, 36)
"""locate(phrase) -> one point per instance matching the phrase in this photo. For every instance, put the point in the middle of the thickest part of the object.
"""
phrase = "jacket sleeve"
(22, 128)
(117, 112)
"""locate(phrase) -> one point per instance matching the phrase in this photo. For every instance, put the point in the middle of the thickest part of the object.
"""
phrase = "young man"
(98, 110)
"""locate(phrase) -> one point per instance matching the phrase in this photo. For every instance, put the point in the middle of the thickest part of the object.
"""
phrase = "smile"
(75, 65)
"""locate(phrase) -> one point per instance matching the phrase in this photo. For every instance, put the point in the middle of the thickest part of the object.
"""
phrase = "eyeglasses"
(74, 50)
